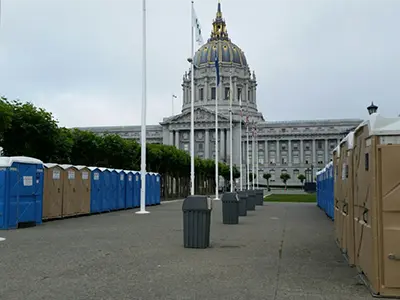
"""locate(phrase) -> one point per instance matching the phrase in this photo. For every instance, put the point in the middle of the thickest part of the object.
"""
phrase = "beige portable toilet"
(83, 189)
(53, 191)
(71, 206)
(337, 216)
(376, 160)
(347, 198)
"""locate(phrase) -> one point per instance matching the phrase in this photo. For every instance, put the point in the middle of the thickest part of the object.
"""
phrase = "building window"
(284, 160)
(213, 93)
(239, 93)
(307, 146)
(272, 172)
(227, 93)
(284, 171)
(201, 146)
(295, 146)
(295, 173)
(201, 94)
(186, 146)
(272, 161)
(319, 145)
(296, 160)
(284, 147)
(248, 96)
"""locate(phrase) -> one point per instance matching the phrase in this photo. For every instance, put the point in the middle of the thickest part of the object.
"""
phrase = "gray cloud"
(81, 59)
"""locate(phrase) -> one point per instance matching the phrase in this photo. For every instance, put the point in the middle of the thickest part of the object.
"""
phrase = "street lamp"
(173, 97)
(372, 108)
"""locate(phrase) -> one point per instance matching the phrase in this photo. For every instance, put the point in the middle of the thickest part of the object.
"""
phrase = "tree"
(31, 132)
(301, 177)
(267, 177)
(6, 111)
(285, 177)
(251, 176)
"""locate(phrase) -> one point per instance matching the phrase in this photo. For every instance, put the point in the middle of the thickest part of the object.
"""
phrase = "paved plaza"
(280, 251)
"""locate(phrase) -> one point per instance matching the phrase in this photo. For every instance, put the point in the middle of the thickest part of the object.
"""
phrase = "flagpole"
(247, 151)
(252, 157)
(143, 126)
(192, 111)
(230, 129)
(240, 143)
(256, 134)
(216, 129)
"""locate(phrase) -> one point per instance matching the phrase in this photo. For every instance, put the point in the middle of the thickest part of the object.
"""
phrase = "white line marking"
(2, 239)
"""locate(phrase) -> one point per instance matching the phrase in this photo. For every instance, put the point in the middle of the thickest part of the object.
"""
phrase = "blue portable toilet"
(129, 185)
(114, 189)
(97, 190)
(121, 193)
(107, 190)
(21, 191)
(149, 192)
(158, 188)
(152, 191)
(137, 183)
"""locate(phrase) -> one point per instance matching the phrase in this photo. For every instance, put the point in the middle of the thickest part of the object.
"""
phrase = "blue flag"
(217, 67)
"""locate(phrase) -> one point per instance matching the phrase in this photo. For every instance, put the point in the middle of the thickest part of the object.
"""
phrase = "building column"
(278, 150)
(205, 90)
(266, 162)
(313, 152)
(207, 144)
(290, 153)
(177, 139)
(326, 151)
(301, 152)
(222, 148)
(171, 138)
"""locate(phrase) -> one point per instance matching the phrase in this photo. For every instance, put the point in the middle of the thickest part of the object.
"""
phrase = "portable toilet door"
(152, 189)
(121, 193)
(96, 190)
(107, 189)
(157, 188)
(70, 196)
(137, 184)
(21, 191)
(148, 189)
(114, 189)
(129, 183)
(53, 191)
(83, 190)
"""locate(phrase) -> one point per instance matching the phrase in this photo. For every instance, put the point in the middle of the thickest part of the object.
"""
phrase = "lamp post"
(372, 109)
(173, 97)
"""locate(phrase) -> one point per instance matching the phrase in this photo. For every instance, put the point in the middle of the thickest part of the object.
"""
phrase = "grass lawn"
(291, 198)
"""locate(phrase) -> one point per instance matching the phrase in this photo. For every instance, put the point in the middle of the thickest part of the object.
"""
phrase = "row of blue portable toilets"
(120, 189)
(22, 190)
(325, 190)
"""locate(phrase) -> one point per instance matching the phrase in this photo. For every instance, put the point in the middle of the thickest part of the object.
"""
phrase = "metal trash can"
(196, 221)
(259, 197)
(230, 208)
(242, 203)
(251, 200)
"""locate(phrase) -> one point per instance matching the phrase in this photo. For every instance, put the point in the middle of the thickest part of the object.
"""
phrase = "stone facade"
(289, 146)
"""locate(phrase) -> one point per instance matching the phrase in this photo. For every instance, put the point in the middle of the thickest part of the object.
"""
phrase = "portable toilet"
(83, 190)
(70, 185)
(53, 191)
(96, 190)
(157, 188)
(107, 189)
(152, 189)
(21, 191)
(149, 193)
(114, 189)
(121, 192)
(129, 189)
(137, 184)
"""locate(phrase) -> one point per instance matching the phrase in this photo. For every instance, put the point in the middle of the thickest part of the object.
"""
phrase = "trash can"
(242, 203)
(230, 208)
(259, 197)
(196, 221)
(251, 200)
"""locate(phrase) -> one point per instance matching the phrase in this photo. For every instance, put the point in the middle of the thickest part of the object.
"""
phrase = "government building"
(293, 147)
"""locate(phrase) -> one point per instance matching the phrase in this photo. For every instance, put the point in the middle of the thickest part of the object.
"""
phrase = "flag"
(197, 28)
(216, 67)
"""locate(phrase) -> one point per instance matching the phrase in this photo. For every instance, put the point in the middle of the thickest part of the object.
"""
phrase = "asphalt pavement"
(280, 251)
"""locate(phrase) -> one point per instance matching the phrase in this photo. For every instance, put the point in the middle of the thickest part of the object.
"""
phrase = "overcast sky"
(314, 59)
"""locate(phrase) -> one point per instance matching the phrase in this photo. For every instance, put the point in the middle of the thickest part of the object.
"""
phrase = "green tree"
(31, 132)
(285, 177)
(267, 177)
(6, 111)
(301, 177)
(251, 176)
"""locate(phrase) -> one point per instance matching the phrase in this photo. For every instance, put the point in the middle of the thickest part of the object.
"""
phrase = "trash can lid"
(197, 202)
(230, 197)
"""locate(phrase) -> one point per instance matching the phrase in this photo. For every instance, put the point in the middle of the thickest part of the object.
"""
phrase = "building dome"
(219, 42)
